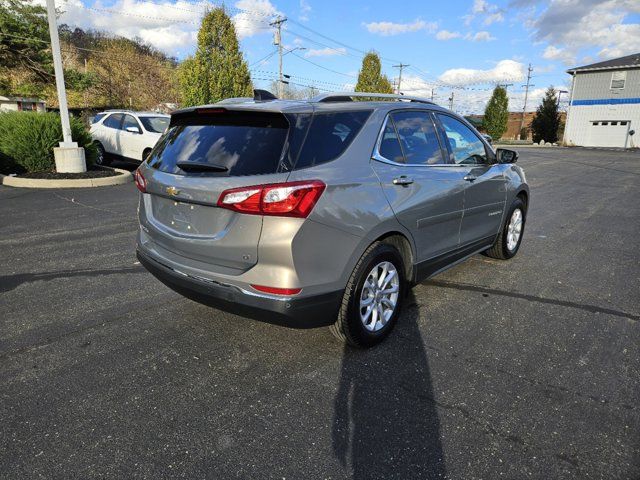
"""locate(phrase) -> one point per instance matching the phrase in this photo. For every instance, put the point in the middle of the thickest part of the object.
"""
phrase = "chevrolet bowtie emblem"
(173, 191)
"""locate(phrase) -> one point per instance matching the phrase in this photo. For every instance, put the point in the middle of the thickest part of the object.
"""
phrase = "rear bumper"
(305, 312)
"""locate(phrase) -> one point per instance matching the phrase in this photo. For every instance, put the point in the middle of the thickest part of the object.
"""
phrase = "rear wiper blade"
(201, 167)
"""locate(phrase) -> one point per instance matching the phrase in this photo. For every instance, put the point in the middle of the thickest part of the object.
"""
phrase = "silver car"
(323, 212)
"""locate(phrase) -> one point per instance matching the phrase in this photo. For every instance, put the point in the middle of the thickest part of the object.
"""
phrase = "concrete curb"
(124, 177)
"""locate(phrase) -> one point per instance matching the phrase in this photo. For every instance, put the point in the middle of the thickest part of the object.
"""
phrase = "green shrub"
(27, 140)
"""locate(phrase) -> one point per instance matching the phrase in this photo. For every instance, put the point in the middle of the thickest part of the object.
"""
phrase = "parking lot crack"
(532, 298)
(11, 282)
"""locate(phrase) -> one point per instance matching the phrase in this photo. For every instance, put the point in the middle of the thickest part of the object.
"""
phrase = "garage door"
(609, 133)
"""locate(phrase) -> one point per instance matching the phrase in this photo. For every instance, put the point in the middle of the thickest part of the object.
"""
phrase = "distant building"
(604, 105)
(21, 104)
(513, 124)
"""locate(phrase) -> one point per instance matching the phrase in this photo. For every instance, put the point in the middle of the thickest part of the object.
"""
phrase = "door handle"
(402, 180)
(469, 178)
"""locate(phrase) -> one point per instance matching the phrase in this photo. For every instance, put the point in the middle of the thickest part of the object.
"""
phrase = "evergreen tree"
(496, 114)
(546, 123)
(370, 78)
(218, 69)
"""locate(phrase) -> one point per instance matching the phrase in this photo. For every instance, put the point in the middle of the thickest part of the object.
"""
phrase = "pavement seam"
(532, 298)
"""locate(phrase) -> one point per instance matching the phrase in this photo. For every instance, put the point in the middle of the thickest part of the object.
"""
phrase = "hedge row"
(27, 140)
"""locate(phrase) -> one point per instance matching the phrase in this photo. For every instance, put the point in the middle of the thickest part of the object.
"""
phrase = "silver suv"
(323, 212)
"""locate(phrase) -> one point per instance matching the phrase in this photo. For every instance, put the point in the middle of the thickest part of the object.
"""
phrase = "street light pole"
(68, 157)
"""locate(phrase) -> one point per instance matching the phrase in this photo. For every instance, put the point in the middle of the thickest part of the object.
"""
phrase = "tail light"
(141, 183)
(290, 199)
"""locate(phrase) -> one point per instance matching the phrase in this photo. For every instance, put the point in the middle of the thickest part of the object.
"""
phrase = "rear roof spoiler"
(263, 96)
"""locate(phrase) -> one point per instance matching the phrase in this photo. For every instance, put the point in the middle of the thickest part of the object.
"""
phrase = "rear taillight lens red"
(277, 291)
(290, 199)
(141, 183)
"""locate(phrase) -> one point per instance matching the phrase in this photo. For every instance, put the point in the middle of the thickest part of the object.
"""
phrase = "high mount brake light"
(289, 199)
(141, 182)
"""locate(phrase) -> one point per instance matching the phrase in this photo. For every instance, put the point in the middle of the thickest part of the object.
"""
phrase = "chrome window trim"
(377, 156)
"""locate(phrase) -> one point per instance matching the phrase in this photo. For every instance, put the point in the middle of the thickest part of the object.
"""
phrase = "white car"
(126, 135)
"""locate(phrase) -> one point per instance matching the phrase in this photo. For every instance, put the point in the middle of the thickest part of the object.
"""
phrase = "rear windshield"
(254, 143)
(239, 145)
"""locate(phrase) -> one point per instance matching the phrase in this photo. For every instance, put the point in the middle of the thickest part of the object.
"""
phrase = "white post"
(69, 158)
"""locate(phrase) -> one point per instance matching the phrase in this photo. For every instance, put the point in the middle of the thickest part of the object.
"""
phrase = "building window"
(595, 124)
(617, 80)
(614, 123)
(623, 123)
(605, 123)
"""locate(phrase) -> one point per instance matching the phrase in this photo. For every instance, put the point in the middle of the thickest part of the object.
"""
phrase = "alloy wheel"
(514, 229)
(379, 296)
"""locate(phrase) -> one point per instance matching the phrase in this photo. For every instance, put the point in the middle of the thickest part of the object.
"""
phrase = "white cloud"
(171, 26)
(483, 9)
(482, 36)
(504, 71)
(390, 28)
(305, 11)
(493, 18)
(573, 30)
(256, 17)
(447, 35)
(325, 52)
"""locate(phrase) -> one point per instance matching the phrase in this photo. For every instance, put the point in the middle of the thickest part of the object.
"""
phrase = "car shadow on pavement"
(385, 422)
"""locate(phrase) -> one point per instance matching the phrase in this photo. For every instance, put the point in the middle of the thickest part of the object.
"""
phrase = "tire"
(349, 326)
(101, 158)
(501, 249)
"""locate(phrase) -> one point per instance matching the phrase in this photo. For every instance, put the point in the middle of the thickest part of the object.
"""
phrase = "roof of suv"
(340, 101)
(139, 114)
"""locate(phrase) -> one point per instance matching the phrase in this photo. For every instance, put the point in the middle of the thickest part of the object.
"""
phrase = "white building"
(604, 106)
(21, 104)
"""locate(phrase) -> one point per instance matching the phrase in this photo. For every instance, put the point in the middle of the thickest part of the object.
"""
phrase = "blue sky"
(460, 46)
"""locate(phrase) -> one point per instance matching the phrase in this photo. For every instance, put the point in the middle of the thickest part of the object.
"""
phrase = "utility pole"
(277, 40)
(451, 101)
(68, 157)
(401, 66)
(432, 94)
(526, 96)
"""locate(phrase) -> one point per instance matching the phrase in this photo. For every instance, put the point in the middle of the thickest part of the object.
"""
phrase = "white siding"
(580, 130)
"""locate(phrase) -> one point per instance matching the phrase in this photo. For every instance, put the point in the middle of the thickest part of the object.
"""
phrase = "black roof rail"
(349, 96)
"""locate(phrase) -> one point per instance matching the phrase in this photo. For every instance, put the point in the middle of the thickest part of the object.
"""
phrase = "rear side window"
(238, 144)
(418, 138)
(113, 121)
(329, 136)
(390, 145)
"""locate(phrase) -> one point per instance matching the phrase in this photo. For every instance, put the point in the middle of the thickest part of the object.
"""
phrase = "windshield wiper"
(201, 167)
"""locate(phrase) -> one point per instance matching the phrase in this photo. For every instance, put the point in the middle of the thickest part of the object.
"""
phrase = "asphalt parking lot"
(521, 369)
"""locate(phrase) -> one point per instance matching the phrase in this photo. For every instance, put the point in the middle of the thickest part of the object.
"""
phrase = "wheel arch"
(401, 242)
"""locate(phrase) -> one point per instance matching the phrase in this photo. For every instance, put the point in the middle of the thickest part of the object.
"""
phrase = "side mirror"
(133, 130)
(506, 156)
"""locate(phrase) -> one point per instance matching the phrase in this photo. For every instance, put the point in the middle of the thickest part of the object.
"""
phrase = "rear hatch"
(205, 152)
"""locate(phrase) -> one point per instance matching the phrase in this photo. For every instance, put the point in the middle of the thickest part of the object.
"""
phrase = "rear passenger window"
(390, 145)
(418, 138)
(113, 121)
(466, 146)
(329, 136)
